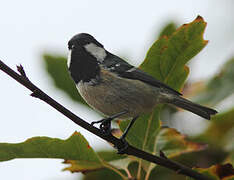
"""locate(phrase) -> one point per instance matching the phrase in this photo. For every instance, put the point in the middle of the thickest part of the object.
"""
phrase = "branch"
(130, 150)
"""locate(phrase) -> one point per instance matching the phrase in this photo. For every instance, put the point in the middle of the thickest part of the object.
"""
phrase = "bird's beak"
(71, 47)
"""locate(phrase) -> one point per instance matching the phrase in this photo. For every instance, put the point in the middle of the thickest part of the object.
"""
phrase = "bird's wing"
(123, 69)
(142, 76)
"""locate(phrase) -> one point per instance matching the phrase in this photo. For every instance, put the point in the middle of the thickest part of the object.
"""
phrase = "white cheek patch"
(98, 52)
(69, 58)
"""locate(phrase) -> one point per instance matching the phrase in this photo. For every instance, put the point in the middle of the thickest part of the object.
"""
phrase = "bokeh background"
(127, 28)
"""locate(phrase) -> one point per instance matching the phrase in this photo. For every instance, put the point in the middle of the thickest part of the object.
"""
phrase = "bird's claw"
(105, 125)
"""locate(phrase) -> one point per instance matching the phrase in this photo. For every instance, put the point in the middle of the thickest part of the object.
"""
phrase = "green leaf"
(217, 172)
(113, 162)
(116, 160)
(144, 131)
(102, 174)
(219, 87)
(75, 147)
(229, 140)
(110, 155)
(76, 150)
(162, 173)
(56, 67)
(230, 158)
(167, 57)
(166, 61)
(133, 170)
(173, 143)
(168, 30)
(221, 126)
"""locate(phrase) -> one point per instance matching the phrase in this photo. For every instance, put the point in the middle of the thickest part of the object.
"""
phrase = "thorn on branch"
(162, 155)
(35, 94)
(38, 94)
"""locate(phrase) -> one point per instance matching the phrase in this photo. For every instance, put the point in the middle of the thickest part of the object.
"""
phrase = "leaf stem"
(109, 166)
(139, 169)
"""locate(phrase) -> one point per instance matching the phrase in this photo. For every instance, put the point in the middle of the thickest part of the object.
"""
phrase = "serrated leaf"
(219, 87)
(221, 127)
(166, 61)
(167, 57)
(173, 143)
(217, 172)
(56, 67)
(75, 147)
(45, 147)
(76, 150)
(110, 159)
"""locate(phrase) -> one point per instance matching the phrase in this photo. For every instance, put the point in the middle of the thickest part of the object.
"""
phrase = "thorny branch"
(130, 150)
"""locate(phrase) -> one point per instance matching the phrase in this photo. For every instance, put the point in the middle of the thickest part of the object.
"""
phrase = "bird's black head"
(82, 40)
(85, 54)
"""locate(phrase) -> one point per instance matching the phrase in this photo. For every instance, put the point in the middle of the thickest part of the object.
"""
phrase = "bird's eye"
(71, 46)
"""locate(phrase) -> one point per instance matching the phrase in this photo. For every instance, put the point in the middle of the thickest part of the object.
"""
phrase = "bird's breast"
(114, 94)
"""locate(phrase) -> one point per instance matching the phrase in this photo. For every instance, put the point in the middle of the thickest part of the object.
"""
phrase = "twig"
(162, 155)
(130, 150)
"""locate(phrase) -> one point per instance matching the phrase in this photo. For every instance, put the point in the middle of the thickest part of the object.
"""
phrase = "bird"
(116, 88)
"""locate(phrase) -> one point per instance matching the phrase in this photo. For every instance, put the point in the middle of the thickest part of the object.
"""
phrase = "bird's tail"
(202, 111)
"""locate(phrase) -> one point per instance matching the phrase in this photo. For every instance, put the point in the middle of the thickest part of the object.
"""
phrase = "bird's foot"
(122, 147)
(105, 125)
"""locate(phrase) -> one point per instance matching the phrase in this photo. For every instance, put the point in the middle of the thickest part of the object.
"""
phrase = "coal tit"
(117, 89)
